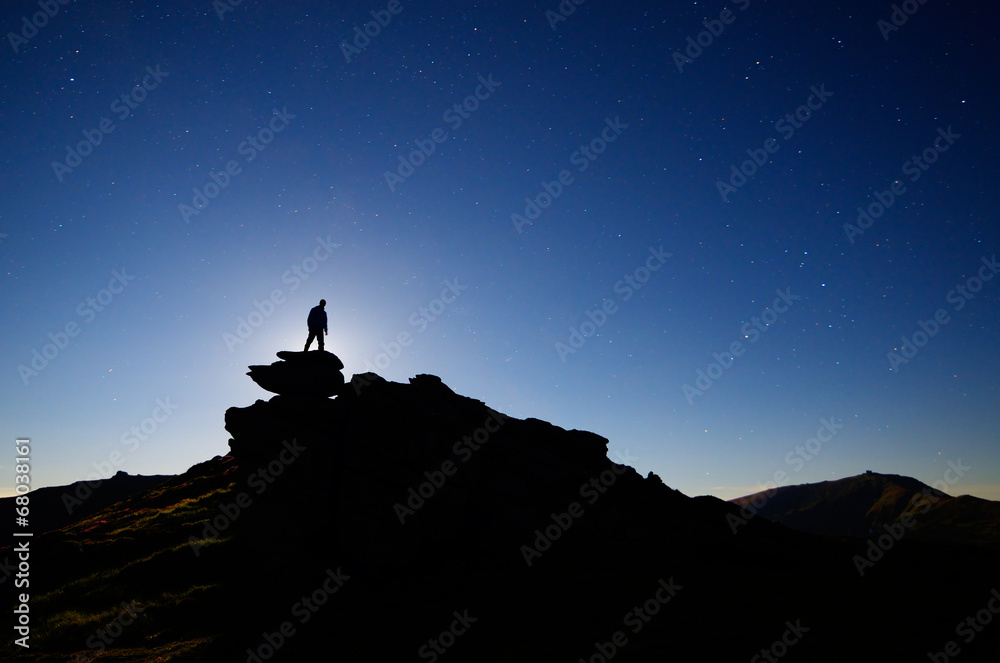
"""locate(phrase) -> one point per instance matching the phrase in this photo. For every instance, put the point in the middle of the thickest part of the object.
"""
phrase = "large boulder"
(316, 373)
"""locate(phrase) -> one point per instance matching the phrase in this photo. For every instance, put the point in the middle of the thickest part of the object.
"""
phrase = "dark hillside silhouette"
(407, 522)
(867, 503)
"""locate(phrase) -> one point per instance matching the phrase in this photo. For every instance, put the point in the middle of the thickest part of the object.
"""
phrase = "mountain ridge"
(399, 517)
(862, 504)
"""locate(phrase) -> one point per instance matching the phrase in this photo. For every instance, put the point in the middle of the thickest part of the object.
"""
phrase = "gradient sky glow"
(639, 136)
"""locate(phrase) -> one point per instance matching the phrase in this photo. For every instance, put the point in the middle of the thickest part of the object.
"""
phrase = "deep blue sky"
(186, 281)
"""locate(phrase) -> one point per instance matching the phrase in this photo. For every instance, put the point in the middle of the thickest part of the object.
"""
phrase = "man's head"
(322, 302)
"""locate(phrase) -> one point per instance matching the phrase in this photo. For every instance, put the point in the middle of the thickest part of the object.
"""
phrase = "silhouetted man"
(317, 324)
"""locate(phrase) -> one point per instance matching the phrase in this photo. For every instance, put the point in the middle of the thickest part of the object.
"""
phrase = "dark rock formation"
(405, 522)
(314, 373)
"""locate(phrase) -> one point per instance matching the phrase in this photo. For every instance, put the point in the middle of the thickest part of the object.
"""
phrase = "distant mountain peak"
(862, 504)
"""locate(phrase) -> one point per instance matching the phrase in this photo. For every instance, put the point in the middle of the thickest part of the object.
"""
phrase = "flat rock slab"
(313, 356)
(315, 373)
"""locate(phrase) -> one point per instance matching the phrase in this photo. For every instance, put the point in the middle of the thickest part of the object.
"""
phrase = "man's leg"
(319, 339)
(309, 340)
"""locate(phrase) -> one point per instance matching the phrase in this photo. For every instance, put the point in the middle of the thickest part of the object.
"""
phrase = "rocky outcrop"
(314, 373)
(397, 516)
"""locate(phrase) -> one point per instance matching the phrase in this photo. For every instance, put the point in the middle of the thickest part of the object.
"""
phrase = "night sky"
(751, 243)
